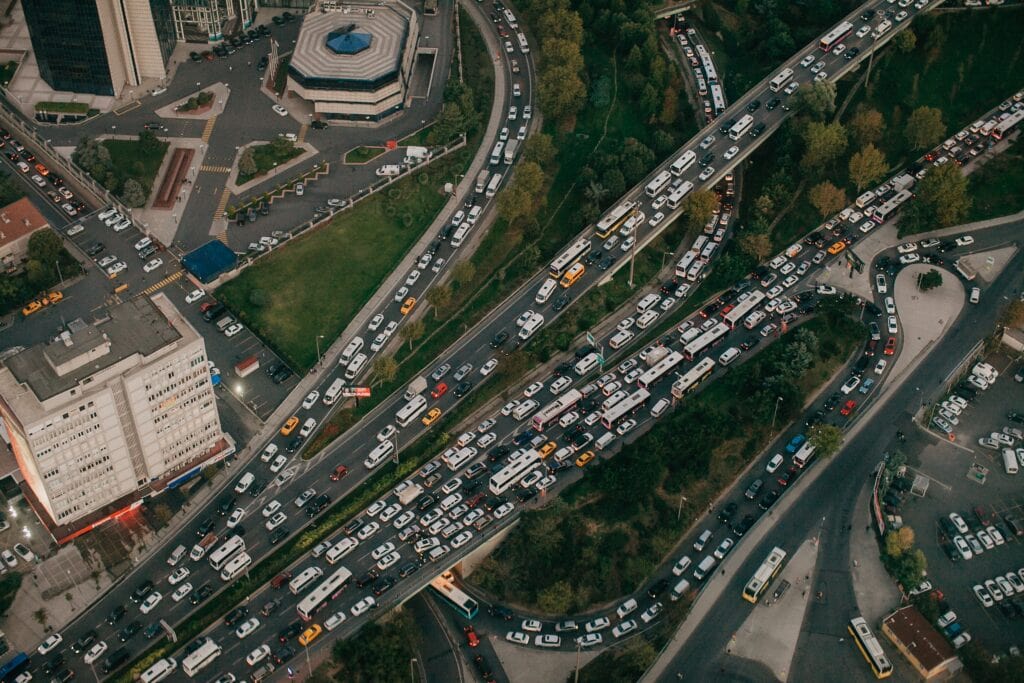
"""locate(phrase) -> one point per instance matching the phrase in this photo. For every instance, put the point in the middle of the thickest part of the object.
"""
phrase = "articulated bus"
(201, 658)
(705, 341)
(227, 550)
(614, 219)
(570, 256)
(444, 586)
(685, 161)
(741, 127)
(1007, 124)
(869, 647)
(655, 187)
(552, 411)
(886, 210)
(689, 382)
(835, 36)
(764, 575)
(718, 98)
(740, 310)
(518, 467)
(627, 406)
(783, 77)
(329, 589)
(659, 370)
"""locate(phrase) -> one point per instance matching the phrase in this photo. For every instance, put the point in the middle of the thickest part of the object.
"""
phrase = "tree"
(524, 195)
(699, 208)
(162, 513)
(440, 297)
(826, 439)
(209, 472)
(556, 598)
(899, 541)
(40, 615)
(247, 162)
(561, 93)
(827, 198)
(929, 280)
(540, 149)
(133, 194)
(385, 368)
(1013, 316)
(614, 182)
(905, 40)
(823, 144)
(463, 272)
(942, 200)
(562, 23)
(818, 99)
(45, 246)
(412, 331)
(925, 127)
(39, 274)
(867, 166)
(756, 245)
(867, 125)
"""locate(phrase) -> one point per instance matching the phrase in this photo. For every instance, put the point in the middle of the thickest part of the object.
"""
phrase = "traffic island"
(202, 104)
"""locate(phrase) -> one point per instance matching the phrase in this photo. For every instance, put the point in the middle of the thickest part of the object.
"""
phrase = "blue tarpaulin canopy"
(209, 261)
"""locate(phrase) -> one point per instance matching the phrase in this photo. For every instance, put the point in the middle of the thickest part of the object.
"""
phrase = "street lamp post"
(663, 255)
(318, 338)
(778, 400)
(632, 254)
(679, 512)
(412, 672)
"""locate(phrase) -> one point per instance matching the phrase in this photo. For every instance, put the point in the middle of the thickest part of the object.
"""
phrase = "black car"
(868, 15)
(383, 585)
(408, 569)
(95, 248)
(283, 654)
(318, 125)
(53, 664)
(281, 375)
(743, 526)
(143, 589)
(290, 631)
(213, 312)
(367, 578)
(753, 106)
(116, 659)
(851, 53)
(607, 262)
(1014, 416)
(84, 643)
(707, 159)
(353, 526)
(116, 615)
(462, 389)
(757, 130)
(126, 633)
(657, 589)
(200, 594)
(257, 488)
(278, 535)
(771, 104)
(294, 444)
(563, 368)
(769, 499)
(224, 505)
(594, 256)
(501, 612)
(750, 343)
(153, 630)
(499, 339)
(726, 513)
(561, 301)
(236, 615)
(966, 391)
(425, 502)
(526, 495)
(724, 128)
(63, 676)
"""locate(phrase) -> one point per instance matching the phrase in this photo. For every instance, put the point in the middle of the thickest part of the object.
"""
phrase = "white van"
(702, 540)
(604, 440)
(355, 366)
(705, 567)
(975, 295)
(524, 409)
(647, 319)
(586, 364)
(660, 407)
(1010, 461)
(729, 355)
(621, 338)
(176, 555)
(679, 590)
(353, 347)
(379, 454)
(689, 335)
(545, 291)
(647, 303)
(460, 235)
(531, 326)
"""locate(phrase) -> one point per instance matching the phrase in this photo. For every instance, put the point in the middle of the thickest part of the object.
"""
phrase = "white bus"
(741, 127)
(705, 341)
(523, 45)
(226, 551)
(328, 590)
(718, 98)
(835, 36)
(568, 258)
(305, 577)
(780, 80)
(804, 455)
(411, 410)
(627, 406)
(659, 370)
(683, 264)
(1007, 124)
(685, 161)
(235, 566)
(159, 671)
(493, 185)
(519, 466)
(764, 575)
(655, 187)
(614, 219)
(675, 197)
(333, 392)
(693, 377)
(886, 210)
(460, 457)
(511, 19)
(556, 408)
(459, 236)
(201, 658)
(740, 310)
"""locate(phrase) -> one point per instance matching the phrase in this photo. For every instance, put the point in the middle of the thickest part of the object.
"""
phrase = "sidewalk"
(875, 591)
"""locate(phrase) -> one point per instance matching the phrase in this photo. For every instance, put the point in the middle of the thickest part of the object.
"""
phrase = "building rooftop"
(137, 326)
(19, 219)
(358, 43)
(909, 627)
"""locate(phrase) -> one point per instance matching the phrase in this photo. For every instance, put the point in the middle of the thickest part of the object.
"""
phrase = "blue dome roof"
(347, 42)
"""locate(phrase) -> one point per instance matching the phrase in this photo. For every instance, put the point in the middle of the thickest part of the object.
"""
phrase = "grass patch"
(998, 186)
(7, 72)
(628, 505)
(268, 157)
(137, 160)
(419, 138)
(63, 107)
(360, 155)
(379, 652)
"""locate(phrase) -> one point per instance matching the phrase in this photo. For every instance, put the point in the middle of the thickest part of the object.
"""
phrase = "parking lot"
(971, 481)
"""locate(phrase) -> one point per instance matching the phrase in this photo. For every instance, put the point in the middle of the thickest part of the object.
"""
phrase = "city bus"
(659, 370)
(159, 671)
(741, 127)
(572, 275)
(12, 669)
(627, 406)
(519, 466)
(705, 341)
(886, 210)
(675, 197)
(692, 378)
(1007, 124)
(740, 310)
(835, 36)
(235, 566)
(227, 550)
(684, 263)
(869, 647)
(444, 585)
(718, 98)
(552, 411)
(780, 80)
(201, 658)
(614, 219)
(764, 575)
(460, 457)
(305, 577)
(685, 161)
(706, 63)
(570, 256)
(329, 589)
(411, 410)
(654, 188)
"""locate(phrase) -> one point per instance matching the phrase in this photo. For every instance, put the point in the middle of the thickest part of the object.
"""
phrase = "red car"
(788, 476)
(890, 346)
(280, 579)
(471, 638)
(339, 473)
(440, 390)
(848, 407)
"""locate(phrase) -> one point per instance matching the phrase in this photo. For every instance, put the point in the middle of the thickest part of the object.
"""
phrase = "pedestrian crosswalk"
(222, 236)
(208, 130)
(222, 204)
(302, 133)
(163, 283)
(215, 169)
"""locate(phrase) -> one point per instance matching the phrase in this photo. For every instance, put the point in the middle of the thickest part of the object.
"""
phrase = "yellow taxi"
(547, 449)
(836, 248)
(53, 297)
(584, 458)
(310, 634)
(31, 308)
(290, 425)
(431, 416)
(409, 304)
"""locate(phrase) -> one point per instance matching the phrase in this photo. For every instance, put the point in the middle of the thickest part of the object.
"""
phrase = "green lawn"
(317, 283)
(998, 186)
(268, 157)
(419, 138)
(63, 107)
(134, 161)
(360, 155)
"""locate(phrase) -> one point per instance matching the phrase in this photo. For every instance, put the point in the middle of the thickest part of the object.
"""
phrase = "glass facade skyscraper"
(67, 39)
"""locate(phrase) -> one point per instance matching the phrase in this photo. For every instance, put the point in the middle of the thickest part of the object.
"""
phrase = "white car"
(271, 507)
(48, 645)
(95, 652)
(334, 621)
(731, 152)
(277, 520)
(178, 575)
(624, 627)
(775, 463)
(626, 427)
(547, 640)
(388, 561)
(533, 389)
(263, 651)
(279, 110)
(151, 601)
(376, 322)
(891, 325)
(115, 268)
(707, 173)
(368, 531)
(462, 539)
(964, 240)
(907, 259)
(488, 367)
(194, 296)
(589, 640)
(247, 627)
(153, 265)
(363, 606)
(400, 294)
(517, 637)
(656, 219)
(279, 462)
(907, 248)
(233, 329)
(503, 510)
